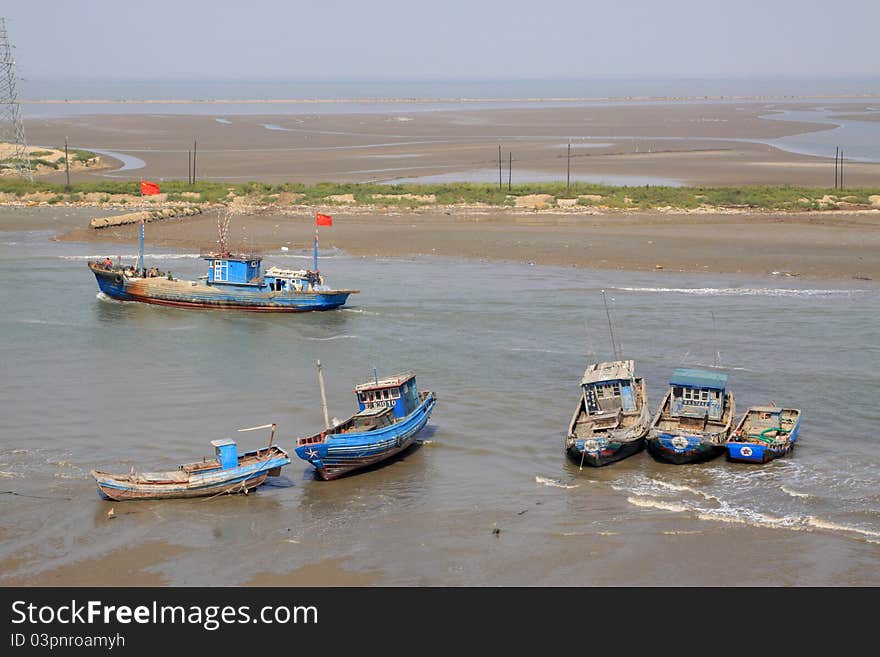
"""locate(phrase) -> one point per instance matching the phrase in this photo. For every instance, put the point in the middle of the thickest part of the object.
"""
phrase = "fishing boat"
(391, 411)
(227, 472)
(234, 281)
(612, 416)
(764, 433)
(694, 419)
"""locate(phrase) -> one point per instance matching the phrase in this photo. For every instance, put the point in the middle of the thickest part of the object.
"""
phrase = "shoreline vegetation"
(367, 197)
(45, 160)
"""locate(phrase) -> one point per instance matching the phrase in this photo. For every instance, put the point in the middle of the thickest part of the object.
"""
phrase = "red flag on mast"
(323, 219)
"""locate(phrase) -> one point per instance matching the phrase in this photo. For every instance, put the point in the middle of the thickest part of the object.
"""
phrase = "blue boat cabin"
(697, 394)
(226, 452)
(399, 393)
(609, 387)
(230, 269)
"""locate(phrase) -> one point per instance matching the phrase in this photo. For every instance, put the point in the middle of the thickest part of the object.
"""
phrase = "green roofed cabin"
(697, 393)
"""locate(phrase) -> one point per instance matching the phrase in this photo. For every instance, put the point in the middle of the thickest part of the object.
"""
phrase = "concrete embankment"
(144, 215)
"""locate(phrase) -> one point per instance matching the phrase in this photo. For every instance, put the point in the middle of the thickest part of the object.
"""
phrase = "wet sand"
(832, 245)
(647, 143)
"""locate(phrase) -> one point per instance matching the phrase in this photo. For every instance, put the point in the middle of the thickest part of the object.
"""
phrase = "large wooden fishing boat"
(234, 281)
(612, 416)
(227, 472)
(694, 419)
(391, 411)
(764, 433)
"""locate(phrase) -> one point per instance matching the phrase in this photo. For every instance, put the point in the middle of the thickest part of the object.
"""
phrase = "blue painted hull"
(340, 454)
(682, 448)
(196, 294)
(597, 452)
(759, 452)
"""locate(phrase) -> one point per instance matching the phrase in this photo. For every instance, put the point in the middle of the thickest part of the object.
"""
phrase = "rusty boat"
(694, 419)
(228, 472)
(391, 411)
(612, 416)
(234, 281)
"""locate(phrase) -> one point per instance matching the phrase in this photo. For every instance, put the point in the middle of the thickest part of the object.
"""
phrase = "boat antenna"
(376, 376)
(614, 346)
(323, 394)
(717, 357)
(140, 263)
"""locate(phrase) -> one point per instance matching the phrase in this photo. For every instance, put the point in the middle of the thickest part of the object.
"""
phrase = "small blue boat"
(764, 433)
(227, 472)
(612, 416)
(695, 418)
(391, 412)
(234, 282)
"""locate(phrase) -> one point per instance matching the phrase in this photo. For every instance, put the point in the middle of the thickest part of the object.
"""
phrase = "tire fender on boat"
(118, 279)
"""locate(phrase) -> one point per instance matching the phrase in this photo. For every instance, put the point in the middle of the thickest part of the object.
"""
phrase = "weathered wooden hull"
(195, 294)
(339, 455)
(597, 452)
(252, 470)
(160, 492)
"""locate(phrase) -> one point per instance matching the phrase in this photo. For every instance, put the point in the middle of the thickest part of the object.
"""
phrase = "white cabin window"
(705, 395)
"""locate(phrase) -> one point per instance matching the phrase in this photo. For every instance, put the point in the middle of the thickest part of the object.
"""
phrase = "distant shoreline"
(537, 99)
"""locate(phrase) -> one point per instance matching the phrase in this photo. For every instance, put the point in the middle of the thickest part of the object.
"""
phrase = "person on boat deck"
(153, 272)
(108, 263)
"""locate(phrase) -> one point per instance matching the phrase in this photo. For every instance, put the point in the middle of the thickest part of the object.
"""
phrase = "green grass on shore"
(781, 197)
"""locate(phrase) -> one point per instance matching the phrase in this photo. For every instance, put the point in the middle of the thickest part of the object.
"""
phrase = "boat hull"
(759, 452)
(195, 294)
(112, 491)
(682, 448)
(597, 452)
(340, 455)
(252, 471)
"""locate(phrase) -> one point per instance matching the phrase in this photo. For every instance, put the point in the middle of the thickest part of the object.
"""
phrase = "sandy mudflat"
(831, 245)
(647, 143)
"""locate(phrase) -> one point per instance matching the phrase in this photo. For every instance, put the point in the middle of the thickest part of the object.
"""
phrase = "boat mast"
(614, 346)
(140, 264)
(323, 394)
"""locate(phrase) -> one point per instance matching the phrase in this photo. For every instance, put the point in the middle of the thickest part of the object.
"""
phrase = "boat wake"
(335, 337)
(788, 491)
(133, 256)
(100, 296)
(743, 291)
(555, 483)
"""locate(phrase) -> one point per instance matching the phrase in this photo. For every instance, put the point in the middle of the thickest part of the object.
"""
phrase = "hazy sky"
(409, 39)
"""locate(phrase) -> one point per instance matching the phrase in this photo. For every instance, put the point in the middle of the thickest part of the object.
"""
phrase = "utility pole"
(194, 162)
(189, 167)
(568, 170)
(836, 165)
(499, 166)
(841, 168)
(67, 163)
(509, 169)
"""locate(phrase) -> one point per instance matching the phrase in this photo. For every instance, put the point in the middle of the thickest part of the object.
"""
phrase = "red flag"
(148, 187)
(323, 220)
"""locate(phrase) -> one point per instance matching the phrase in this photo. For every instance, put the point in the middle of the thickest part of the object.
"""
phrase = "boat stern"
(747, 452)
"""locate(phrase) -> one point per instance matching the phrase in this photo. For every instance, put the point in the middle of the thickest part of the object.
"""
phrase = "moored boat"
(694, 419)
(764, 433)
(227, 472)
(612, 416)
(391, 411)
(234, 281)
